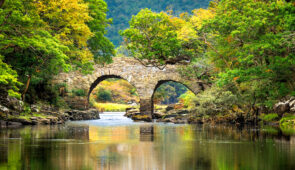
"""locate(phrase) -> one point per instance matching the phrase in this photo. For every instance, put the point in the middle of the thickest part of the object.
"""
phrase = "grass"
(160, 107)
(111, 107)
(115, 107)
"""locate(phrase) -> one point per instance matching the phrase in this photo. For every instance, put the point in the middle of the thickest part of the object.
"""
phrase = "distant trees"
(122, 10)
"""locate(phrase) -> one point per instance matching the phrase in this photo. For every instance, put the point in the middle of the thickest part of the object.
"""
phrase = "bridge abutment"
(146, 106)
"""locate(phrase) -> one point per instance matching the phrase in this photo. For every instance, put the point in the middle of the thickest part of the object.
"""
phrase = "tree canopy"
(253, 47)
(160, 39)
(122, 10)
(41, 39)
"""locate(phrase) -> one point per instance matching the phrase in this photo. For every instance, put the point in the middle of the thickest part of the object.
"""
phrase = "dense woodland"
(245, 50)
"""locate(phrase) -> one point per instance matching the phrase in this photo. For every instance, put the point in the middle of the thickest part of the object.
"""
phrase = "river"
(117, 143)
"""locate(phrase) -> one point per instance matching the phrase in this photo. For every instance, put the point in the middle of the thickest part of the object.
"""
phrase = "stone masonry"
(144, 79)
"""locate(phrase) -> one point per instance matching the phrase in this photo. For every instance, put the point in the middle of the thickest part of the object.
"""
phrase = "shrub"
(187, 99)
(214, 101)
(78, 92)
(104, 95)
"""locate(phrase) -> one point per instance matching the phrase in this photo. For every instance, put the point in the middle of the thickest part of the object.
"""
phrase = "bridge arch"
(144, 79)
(102, 78)
(161, 82)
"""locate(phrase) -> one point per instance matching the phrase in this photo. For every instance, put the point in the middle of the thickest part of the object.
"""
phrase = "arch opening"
(169, 92)
(112, 93)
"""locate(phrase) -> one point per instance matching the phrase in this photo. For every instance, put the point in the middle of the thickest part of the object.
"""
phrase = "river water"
(117, 143)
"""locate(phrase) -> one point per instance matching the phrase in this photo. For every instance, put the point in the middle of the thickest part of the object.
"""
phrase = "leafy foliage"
(122, 10)
(160, 39)
(214, 101)
(252, 47)
(116, 91)
(42, 39)
(8, 78)
(100, 46)
(188, 99)
(78, 92)
(104, 95)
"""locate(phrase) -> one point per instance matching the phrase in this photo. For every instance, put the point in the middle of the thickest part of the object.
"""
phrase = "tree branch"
(1, 3)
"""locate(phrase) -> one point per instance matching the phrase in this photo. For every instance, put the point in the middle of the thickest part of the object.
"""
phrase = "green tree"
(252, 46)
(100, 46)
(26, 44)
(8, 79)
(160, 39)
(122, 10)
(66, 20)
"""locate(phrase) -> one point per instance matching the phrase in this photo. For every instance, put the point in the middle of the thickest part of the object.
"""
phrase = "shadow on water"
(115, 142)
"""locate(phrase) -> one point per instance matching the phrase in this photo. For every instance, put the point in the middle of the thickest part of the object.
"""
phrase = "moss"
(288, 121)
(270, 117)
(142, 118)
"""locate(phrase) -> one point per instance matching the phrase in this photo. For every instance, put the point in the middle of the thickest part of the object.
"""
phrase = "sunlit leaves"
(248, 38)
(8, 78)
(161, 38)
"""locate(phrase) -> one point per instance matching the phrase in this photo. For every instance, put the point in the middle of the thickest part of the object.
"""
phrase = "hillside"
(122, 10)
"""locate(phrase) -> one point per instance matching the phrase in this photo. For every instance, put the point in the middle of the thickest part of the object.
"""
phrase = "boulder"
(281, 108)
(170, 115)
(44, 121)
(90, 114)
(53, 120)
(182, 112)
(15, 103)
(22, 121)
(158, 115)
(4, 109)
(169, 107)
(141, 117)
(130, 112)
(35, 108)
(292, 106)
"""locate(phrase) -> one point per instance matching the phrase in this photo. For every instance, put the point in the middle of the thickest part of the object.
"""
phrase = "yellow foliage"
(201, 15)
(187, 33)
(120, 89)
(67, 21)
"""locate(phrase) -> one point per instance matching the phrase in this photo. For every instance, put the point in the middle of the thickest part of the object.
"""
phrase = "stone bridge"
(145, 79)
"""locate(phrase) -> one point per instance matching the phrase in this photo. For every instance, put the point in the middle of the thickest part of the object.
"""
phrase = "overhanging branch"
(1, 3)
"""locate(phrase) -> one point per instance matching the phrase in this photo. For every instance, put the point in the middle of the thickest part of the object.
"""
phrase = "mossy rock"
(272, 117)
(139, 117)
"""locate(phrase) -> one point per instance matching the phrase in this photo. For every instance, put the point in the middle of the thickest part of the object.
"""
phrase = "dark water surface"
(116, 143)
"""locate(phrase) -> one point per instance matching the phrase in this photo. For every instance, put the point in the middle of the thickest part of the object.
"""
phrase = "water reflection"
(91, 145)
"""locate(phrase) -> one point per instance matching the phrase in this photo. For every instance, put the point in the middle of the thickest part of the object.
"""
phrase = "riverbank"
(176, 115)
(48, 118)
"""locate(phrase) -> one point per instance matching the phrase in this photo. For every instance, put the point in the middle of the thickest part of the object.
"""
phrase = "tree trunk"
(26, 88)
(1, 3)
